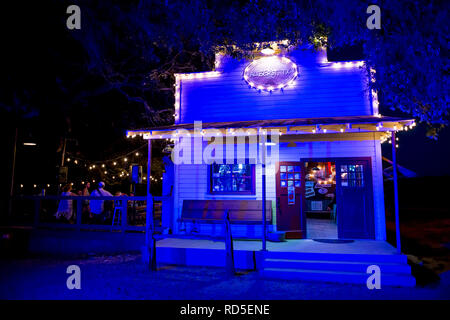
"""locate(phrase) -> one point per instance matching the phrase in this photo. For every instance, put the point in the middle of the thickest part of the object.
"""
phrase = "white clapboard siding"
(320, 90)
(191, 180)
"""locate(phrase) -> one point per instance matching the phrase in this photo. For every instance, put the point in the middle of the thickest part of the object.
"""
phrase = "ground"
(124, 276)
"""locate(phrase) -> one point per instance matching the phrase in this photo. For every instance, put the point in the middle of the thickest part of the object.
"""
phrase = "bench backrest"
(240, 210)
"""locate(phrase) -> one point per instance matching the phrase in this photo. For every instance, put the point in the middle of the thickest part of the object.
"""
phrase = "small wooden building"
(322, 130)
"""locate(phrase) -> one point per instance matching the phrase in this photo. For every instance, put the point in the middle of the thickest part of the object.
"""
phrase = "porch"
(295, 245)
(302, 259)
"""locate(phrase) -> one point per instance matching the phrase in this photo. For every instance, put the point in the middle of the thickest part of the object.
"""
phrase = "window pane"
(297, 183)
(282, 168)
(283, 183)
(290, 168)
(297, 176)
(344, 168)
(283, 175)
(290, 183)
(231, 178)
(222, 184)
(290, 176)
(297, 168)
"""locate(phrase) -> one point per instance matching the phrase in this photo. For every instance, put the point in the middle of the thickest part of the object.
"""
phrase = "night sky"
(424, 156)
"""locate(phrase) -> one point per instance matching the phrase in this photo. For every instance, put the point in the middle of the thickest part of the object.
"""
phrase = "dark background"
(37, 49)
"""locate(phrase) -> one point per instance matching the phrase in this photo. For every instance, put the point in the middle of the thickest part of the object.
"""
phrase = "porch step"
(336, 267)
(390, 279)
(346, 266)
(348, 257)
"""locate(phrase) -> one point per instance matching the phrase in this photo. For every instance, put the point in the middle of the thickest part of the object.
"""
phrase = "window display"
(232, 178)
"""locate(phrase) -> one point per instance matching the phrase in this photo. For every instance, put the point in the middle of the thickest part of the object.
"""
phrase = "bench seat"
(213, 211)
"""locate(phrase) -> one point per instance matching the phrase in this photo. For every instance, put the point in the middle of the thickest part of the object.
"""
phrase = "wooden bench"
(214, 211)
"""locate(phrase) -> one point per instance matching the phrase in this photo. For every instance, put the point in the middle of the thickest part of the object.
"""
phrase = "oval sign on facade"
(270, 73)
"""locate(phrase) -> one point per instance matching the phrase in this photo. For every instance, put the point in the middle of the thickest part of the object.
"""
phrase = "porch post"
(263, 191)
(394, 170)
(150, 244)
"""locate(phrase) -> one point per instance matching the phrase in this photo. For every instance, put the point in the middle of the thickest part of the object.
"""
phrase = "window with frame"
(232, 178)
(352, 175)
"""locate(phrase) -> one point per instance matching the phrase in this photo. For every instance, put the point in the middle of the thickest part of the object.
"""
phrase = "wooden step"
(372, 258)
(350, 266)
(390, 279)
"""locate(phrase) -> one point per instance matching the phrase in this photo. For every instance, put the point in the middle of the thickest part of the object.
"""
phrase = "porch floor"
(321, 229)
(372, 247)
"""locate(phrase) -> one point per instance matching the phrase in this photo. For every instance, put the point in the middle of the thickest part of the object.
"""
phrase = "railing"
(132, 215)
(41, 220)
(229, 251)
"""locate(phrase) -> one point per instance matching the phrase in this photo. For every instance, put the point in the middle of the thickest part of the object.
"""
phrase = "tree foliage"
(126, 52)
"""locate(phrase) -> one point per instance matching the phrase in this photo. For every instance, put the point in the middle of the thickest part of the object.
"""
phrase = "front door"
(354, 199)
(289, 196)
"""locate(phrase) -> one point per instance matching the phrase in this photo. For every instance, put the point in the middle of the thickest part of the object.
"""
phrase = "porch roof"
(350, 124)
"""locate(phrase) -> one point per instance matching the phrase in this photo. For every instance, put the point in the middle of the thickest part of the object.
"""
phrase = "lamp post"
(150, 243)
(13, 169)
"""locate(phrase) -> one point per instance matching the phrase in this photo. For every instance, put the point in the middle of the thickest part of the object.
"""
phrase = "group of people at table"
(97, 210)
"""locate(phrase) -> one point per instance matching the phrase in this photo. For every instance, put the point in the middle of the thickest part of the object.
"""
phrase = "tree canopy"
(116, 72)
(136, 48)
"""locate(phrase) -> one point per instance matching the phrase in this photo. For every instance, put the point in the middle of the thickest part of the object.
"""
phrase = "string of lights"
(114, 168)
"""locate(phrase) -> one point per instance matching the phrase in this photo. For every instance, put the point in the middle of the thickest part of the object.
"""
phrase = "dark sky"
(425, 156)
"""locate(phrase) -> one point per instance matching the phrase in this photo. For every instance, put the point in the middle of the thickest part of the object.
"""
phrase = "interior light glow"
(268, 51)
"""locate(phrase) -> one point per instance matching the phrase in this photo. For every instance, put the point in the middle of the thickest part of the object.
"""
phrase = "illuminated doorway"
(320, 200)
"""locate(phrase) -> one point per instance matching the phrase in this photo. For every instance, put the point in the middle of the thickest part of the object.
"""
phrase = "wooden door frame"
(336, 160)
(301, 193)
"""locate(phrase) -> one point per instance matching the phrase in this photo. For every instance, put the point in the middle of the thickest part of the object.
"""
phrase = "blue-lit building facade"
(323, 132)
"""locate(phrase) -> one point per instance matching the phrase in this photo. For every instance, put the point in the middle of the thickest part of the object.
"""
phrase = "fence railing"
(123, 213)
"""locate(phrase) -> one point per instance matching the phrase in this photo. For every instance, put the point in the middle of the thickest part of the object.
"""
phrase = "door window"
(352, 175)
(290, 176)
